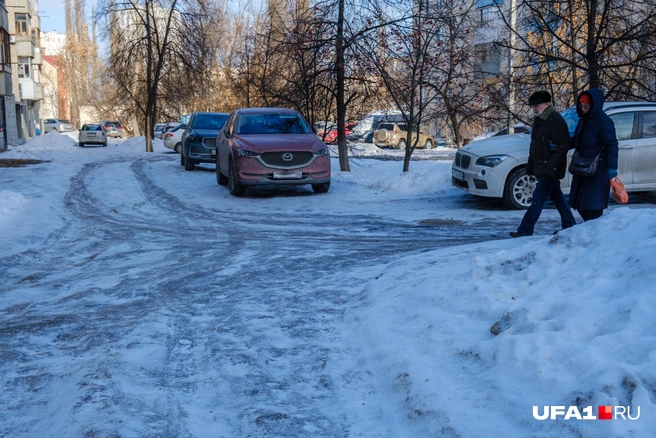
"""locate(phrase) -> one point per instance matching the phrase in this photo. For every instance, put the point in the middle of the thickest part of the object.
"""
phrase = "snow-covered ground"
(463, 341)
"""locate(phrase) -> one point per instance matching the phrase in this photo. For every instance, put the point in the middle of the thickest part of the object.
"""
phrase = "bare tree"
(570, 45)
(152, 42)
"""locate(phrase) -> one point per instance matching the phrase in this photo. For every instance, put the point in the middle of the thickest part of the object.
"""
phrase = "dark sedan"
(199, 138)
(263, 146)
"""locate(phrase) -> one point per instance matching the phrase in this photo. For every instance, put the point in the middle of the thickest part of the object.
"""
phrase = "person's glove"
(612, 173)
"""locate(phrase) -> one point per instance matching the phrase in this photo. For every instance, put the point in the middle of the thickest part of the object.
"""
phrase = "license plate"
(458, 174)
(287, 174)
(92, 134)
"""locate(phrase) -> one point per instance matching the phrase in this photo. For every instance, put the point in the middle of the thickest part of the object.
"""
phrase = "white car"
(173, 138)
(495, 167)
(92, 133)
(59, 125)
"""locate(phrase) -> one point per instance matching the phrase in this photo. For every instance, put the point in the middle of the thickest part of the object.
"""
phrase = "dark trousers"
(548, 189)
(588, 215)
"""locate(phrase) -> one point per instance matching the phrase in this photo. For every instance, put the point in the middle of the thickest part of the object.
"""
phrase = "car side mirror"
(183, 126)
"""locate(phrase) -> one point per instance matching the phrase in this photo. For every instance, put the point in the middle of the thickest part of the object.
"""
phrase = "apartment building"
(8, 131)
(26, 60)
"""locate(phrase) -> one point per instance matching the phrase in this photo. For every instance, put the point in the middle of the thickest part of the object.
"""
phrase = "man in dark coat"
(547, 159)
(594, 133)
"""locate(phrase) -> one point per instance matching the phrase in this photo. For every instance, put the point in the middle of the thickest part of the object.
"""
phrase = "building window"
(5, 60)
(488, 14)
(23, 67)
(21, 24)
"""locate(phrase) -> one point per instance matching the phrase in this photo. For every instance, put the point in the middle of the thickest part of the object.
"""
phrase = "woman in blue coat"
(594, 132)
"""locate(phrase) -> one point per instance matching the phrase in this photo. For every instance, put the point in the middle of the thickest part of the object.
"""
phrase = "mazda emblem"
(287, 156)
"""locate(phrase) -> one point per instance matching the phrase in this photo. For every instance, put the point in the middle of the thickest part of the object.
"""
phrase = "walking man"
(547, 159)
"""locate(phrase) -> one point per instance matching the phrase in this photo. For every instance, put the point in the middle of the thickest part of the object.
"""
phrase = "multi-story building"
(26, 61)
(55, 104)
(8, 132)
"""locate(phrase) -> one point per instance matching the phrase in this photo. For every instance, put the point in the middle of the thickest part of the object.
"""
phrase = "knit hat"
(584, 99)
(539, 97)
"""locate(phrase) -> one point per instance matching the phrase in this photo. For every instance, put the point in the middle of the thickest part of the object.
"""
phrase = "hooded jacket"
(549, 145)
(594, 132)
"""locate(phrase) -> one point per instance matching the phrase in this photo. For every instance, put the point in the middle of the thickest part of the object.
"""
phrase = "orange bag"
(619, 192)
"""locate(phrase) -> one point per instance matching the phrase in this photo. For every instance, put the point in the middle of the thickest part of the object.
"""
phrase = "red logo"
(605, 412)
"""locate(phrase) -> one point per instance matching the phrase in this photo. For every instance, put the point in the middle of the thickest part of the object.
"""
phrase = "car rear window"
(388, 126)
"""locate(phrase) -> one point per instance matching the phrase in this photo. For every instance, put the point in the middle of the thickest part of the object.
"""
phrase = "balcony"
(38, 57)
(36, 22)
(27, 89)
(24, 46)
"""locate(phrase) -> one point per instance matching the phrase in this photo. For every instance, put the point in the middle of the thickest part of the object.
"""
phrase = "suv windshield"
(209, 121)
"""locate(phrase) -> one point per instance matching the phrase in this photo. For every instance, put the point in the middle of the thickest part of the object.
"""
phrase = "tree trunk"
(341, 106)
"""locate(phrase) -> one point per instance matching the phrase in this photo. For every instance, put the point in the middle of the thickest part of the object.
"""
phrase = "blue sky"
(52, 15)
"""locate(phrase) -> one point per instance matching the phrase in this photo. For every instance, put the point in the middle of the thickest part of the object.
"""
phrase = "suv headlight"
(491, 160)
(193, 136)
(244, 153)
(324, 151)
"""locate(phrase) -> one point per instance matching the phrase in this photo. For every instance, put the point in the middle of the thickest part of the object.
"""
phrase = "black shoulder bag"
(582, 166)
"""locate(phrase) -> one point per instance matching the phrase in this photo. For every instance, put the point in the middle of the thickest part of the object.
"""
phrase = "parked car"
(519, 128)
(167, 128)
(198, 140)
(495, 167)
(113, 129)
(59, 125)
(363, 131)
(395, 135)
(92, 133)
(263, 146)
(322, 126)
(157, 130)
(173, 138)
(330, 136)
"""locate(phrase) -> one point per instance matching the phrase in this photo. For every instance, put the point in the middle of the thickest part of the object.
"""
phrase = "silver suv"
(59, 125)
(495, 167)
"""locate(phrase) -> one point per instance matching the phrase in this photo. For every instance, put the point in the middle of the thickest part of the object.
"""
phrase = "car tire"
(178, 148)
(81, 145)
(401, 145)
(428, 144)
(189, 164)
(518, 191)
(321, 188)
(235, 188)
(221, 179)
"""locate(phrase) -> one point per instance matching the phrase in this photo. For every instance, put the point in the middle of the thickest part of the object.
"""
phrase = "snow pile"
(574, 316)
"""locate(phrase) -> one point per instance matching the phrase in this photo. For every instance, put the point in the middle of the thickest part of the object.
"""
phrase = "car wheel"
(321, 188)
(220, 178)
(401, 145)
(518, 192)
(235, 188)
(428, 144)
(178, 148)
(81, 145)
(189, 164)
